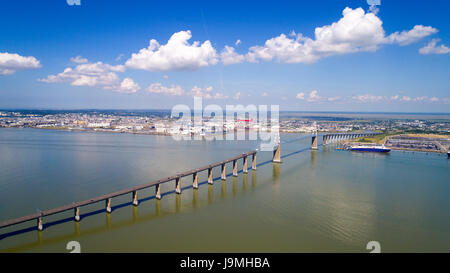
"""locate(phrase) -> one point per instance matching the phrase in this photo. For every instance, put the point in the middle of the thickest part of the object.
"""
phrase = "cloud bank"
(356, 31)
(95, 75)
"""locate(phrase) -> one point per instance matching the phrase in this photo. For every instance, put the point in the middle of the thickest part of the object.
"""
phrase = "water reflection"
(313, 159)
(40, 237)
(108, 220)
(195, 198)
(244, 182)
(76, 226)
(235, 185)
(177, 202)
(135, 213)
(223, 189)
(158, 207)
(276, 179)
(210, 193)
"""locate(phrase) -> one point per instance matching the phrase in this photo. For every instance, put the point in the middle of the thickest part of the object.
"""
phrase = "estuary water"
(314, 201)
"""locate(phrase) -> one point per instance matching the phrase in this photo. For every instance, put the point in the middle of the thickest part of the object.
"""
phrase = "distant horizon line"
(168, 110)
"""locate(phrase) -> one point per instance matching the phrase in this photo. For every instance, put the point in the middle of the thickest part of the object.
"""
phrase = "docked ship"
(370, 148)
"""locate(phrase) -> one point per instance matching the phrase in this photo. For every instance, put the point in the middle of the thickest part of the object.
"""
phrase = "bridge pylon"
(277, 154)
(314, 145)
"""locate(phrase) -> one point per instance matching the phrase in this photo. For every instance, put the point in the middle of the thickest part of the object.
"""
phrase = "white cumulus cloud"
(96, 74)
(333, 98)
(411, 36)
(431, 48)
(78, 60)
(300, 96)
(218, 96)
(177, 54)
(173, 90)
(434, 99)
(12, 62)
(314, 96)
(128, 86)
(229, 56)
(205, 93)
(367, 98)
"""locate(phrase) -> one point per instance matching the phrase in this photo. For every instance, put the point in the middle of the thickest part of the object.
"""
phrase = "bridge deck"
(118, 193)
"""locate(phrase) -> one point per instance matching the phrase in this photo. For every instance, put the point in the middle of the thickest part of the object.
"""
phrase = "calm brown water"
(323, 201)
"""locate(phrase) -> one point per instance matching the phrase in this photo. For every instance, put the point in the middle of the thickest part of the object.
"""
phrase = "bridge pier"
(277, 154)
(158, 191)
(108, 205)
(235, 168)
(210, 176)
(244, 165)
(223, 174)
(178, 185)
(135, 198)
(195, 181)
(76, 213)
(254, 162)
(40, 225)
(314, 141)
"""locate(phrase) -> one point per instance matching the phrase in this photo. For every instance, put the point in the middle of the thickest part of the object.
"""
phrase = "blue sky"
(302, 55)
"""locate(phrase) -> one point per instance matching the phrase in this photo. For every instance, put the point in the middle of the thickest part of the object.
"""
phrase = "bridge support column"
(244, 165)
(223, 175)
(195, 180)
(277, 154)
(135, 198)
(210, 176)
(254, 162)
(235, 168)
(178, 185)
(40, 225)
(158, 191)
(314, 142)
(108, 205)
(76, 212)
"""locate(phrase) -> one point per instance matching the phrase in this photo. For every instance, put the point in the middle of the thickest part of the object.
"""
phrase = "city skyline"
(348, 56)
